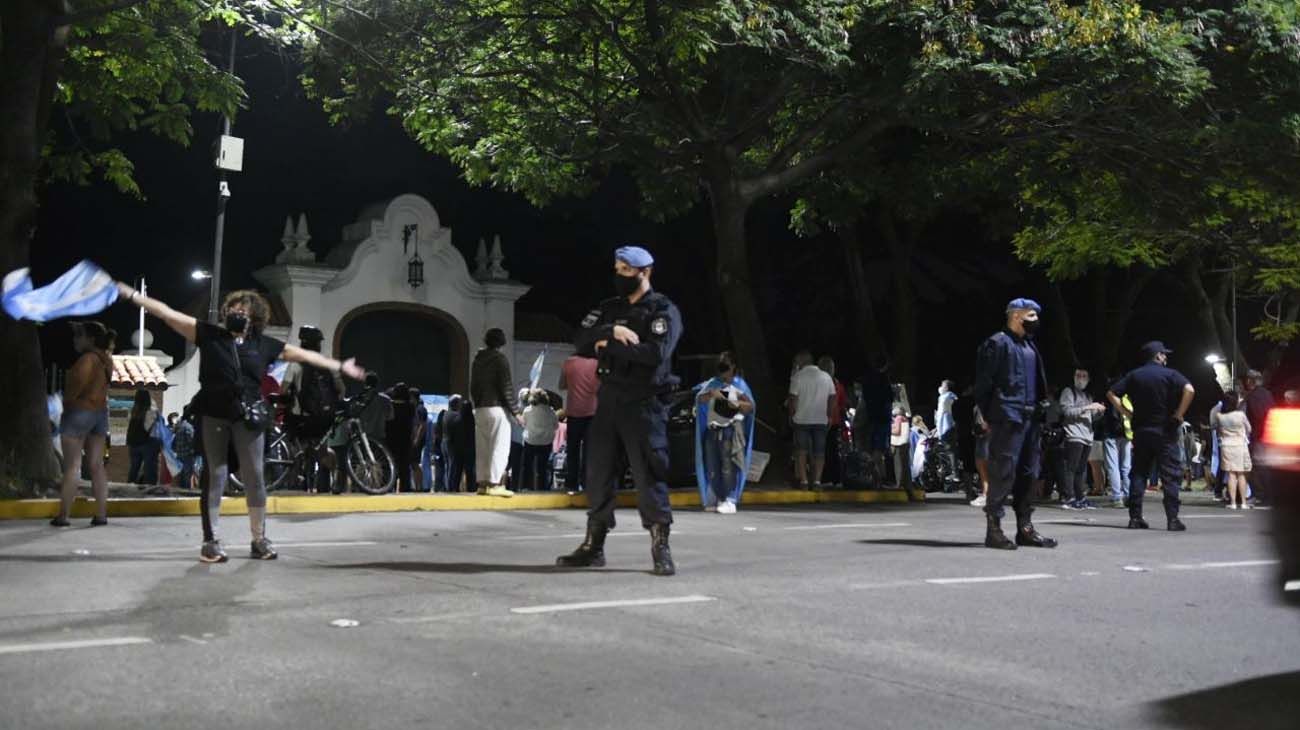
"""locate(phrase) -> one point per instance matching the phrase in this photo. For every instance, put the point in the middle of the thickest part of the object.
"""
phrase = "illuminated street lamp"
(1222, 371)
(200, 275)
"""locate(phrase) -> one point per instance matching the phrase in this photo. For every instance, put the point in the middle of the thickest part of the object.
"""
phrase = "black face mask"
(624, 286)
(236, 322)
(1031, 327)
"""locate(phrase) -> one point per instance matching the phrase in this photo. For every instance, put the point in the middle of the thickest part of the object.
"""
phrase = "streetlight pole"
(223, 196)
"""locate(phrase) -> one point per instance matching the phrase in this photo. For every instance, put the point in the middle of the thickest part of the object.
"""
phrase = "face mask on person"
(1081, 383)
(1031, 326)
(624, 286)
(236, 322)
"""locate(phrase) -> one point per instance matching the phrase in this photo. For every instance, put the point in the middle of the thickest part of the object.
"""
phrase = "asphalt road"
(817, 617)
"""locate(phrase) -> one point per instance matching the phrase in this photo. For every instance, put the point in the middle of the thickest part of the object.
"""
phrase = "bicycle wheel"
(371, 470)
(279, 462)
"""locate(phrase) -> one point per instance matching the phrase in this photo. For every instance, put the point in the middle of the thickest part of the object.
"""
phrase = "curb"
(30, 509)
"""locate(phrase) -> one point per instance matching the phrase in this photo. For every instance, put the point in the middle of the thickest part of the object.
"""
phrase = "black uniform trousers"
(636, 425)
(1155, 451)
(1013, 465)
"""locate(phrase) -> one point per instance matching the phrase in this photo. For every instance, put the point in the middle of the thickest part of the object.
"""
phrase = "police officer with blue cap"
(633, 335)
(1010, 388)
(1160, 397)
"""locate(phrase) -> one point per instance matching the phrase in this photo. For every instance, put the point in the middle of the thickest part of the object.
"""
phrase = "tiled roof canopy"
(136, 371)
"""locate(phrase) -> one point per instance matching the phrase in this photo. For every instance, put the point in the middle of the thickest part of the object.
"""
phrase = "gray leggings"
(217, 435)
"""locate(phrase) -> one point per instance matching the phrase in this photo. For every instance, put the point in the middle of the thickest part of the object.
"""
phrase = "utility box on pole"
(230, 153)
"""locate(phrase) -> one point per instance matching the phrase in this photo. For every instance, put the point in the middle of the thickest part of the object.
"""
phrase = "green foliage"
(138, 69)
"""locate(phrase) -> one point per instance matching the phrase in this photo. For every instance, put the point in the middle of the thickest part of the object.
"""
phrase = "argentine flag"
(84, 289)
(535, 375)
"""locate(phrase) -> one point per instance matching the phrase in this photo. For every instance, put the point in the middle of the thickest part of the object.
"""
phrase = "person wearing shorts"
(84, 426)
(811, 403)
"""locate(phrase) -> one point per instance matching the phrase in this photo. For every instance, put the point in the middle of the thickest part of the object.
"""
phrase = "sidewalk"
(130, 501)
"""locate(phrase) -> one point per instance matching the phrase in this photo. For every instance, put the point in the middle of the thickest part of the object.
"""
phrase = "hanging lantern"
(415, 271)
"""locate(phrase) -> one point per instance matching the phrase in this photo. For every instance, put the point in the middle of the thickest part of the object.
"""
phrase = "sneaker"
(1085, 504)
(1247, 505)
(1118, 504)
(727, 508)
(1069, 505)
(262, 549)
(979, 501)
(60, 522)
(499, 491)
(212, 552)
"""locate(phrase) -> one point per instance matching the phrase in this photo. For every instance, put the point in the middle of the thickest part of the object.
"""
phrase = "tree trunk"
(31, 56)
(906, 326)
(735, 282)
(1115, 295)
(1206, 316)
(863, 309)
(1057, 339)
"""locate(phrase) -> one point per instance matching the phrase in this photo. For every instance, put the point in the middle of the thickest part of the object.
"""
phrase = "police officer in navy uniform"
(1160, 397)
(633, 336)
(1010, 384)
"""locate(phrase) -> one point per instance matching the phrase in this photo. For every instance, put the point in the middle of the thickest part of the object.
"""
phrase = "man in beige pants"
(494, 404)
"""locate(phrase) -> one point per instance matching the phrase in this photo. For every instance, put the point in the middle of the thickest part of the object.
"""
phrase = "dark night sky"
(295, 162)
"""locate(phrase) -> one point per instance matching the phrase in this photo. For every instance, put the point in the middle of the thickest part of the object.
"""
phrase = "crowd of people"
(1023, 438)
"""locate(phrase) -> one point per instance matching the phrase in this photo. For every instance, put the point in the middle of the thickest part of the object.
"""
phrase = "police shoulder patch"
(659, 325)
(592, 317)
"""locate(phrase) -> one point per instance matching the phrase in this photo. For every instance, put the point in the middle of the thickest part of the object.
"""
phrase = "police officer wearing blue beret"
(1160, 397)
(1010, 383)
(633, 335)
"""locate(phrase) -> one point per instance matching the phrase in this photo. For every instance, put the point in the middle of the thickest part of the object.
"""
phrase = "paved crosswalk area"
(816, 617)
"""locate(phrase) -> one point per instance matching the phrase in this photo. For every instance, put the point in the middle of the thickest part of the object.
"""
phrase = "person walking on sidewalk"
(493, 395)
(634, 336)
(1160, 397)
(233, 357)
(1077, 412)
(811, 403)
(1010, 382)
(84, 424)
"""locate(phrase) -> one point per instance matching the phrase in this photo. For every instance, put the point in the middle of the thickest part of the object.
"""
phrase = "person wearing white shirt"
(812, 399)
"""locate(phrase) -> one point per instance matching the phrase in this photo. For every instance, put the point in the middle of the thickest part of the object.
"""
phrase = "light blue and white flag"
(84, 289)
(166, 437)
(535, 375)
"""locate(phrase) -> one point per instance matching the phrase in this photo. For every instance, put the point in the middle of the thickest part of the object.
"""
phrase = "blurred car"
(1281, 458)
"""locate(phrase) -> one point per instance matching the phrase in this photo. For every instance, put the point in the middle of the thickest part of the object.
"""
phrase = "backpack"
(317, 396)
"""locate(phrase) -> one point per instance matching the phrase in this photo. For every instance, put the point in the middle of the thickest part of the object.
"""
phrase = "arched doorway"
(421, 346)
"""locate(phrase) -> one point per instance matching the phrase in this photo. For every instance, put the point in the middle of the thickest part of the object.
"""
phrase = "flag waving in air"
(535, 374)
(84, 289)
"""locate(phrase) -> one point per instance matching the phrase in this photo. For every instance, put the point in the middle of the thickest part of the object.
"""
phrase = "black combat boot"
(591, 553)
(1176, 525)
(663, 557)
(1026, 534)
(1135, 521)
(994, 538)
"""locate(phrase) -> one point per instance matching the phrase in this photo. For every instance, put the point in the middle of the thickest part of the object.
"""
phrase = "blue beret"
(1023, 303)
(634, 256)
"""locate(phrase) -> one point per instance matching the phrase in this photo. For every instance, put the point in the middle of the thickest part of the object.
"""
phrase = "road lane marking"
(853, 524)
(177, 550)
(885, 584)
(1209, 517)
(1072, 521)
(193, 640)
(83, 644)
(989, 579)
(557, 607)
(1222, 564)
(1291, 585)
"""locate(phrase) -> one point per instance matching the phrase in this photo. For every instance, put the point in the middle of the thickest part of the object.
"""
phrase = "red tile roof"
(136, 371)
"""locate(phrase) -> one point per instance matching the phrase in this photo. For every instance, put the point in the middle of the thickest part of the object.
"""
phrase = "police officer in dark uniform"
(1160, 397)
(1010, 384)
(633, 336)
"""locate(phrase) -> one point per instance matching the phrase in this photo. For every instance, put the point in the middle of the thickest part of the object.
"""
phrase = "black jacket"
(489, 381)
(647, 366)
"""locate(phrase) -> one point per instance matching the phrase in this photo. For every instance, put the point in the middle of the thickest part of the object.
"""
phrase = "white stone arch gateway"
(364, 279)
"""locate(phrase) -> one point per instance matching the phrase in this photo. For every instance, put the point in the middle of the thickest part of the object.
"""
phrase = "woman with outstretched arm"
(232, 359)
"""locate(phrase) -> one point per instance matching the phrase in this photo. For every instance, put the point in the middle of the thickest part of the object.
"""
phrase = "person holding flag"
(233, 357)
(724, 436)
